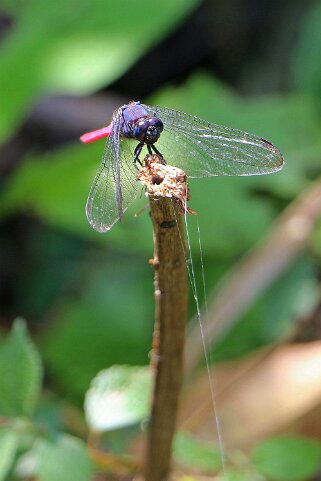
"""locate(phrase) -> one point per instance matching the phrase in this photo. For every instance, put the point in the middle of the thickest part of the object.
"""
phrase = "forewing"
(113, 189)
(203, 149)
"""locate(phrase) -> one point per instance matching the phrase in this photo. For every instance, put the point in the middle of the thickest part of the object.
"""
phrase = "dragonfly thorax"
(147, 129)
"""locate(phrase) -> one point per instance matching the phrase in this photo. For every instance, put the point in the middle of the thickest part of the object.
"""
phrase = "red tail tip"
(96, 135)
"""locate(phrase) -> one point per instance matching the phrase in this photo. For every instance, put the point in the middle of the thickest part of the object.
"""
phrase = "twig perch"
(165, 183)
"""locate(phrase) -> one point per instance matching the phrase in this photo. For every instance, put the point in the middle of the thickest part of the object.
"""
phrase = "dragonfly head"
(148, 129)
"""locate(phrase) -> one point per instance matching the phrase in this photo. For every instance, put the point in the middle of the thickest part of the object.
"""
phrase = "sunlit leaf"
(118, 396)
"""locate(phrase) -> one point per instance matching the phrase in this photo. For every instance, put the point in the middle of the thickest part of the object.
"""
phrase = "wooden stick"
(169, 333)
(168, 193)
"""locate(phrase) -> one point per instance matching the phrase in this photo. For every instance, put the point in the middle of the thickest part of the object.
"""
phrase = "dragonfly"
(200, 148)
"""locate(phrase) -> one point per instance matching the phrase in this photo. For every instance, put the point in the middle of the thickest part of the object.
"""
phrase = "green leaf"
(65, 459)
(196, 454)
(9, 442)
(20, 373)
(118, 396)
(288, 458)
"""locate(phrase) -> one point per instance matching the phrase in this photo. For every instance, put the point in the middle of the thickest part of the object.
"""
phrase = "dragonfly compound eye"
(148, 129)
(154, 130)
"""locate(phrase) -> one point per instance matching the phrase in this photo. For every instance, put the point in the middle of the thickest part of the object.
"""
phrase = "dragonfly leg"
(137, 151)
(158, 153)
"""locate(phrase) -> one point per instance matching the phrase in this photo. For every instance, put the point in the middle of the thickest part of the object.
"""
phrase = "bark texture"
(169, 333)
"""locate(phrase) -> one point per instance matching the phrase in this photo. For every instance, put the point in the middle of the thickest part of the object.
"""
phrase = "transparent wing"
(203, 149)
(114, 187)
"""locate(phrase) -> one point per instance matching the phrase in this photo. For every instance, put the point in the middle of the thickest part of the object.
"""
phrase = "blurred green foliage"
(20, 374)
(66, 458)
(195, 454)
(288, 458)
(9, 442)
(306, 65)
(233, 215)
(90, 297)
(118, 397)
(75, 47)
(289, 298)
